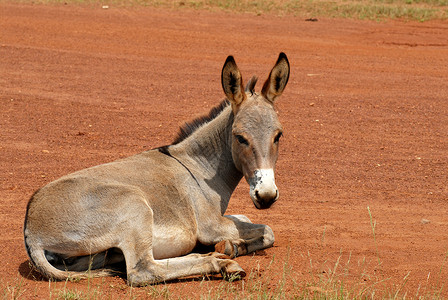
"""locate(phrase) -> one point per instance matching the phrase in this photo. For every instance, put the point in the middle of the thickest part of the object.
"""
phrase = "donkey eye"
(241, 140)
(277, 137)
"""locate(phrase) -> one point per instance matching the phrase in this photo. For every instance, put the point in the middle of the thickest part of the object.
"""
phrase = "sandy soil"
(365, 116)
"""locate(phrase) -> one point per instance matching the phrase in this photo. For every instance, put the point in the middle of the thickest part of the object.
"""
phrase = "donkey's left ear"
(277, 80)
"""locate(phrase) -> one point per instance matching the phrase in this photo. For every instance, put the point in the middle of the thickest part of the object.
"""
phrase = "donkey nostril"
(267, 197)
(265, 201)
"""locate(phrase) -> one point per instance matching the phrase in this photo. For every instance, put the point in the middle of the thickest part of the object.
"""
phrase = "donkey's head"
(256, 129)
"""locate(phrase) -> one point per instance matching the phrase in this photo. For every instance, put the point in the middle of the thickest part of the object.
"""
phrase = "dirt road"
(363, 167)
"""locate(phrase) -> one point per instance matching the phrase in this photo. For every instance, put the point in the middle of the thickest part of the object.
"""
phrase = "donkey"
(150, 210)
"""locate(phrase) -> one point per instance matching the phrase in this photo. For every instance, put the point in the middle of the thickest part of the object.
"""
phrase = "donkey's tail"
(42, 265)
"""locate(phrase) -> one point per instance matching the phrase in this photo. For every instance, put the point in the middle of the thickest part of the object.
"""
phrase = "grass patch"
(341, 277)
(13, 290)
(420, 10)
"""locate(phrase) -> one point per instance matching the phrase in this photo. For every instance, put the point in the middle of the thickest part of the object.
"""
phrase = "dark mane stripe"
(188, 128)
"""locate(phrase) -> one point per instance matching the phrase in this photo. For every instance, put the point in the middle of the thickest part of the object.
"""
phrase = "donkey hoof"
(224, 247)
(233, 272)
(232, 248)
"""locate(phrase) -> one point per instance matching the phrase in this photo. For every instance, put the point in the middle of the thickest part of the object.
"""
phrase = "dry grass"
(420, 10)
(340, 278)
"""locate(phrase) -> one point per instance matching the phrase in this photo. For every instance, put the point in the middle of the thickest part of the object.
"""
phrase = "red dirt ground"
(365, 116)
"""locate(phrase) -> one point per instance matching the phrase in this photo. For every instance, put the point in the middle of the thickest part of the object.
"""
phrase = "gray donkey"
(150, 210)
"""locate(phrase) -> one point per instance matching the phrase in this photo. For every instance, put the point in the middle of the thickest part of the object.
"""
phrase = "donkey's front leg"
(252, 237)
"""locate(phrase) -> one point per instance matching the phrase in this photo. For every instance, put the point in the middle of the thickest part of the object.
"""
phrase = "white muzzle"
(263, 190)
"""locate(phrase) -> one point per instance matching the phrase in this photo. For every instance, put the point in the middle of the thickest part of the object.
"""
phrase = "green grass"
(420, 10)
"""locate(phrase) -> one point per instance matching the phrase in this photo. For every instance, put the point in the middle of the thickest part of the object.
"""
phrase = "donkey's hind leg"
(252, 237)
(143, 269)
(190, 265)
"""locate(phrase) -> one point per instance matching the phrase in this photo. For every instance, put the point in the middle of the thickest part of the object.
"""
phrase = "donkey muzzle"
(263, 190)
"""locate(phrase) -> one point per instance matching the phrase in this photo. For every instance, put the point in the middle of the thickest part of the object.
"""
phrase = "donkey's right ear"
(232, 83)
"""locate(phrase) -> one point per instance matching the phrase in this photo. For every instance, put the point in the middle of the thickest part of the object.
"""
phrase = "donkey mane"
(188, 128)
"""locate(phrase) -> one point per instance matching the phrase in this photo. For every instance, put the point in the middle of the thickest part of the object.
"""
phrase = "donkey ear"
(277, 80)
(232, 82)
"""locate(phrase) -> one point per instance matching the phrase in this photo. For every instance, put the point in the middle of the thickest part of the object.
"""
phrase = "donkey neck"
(207, 153)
